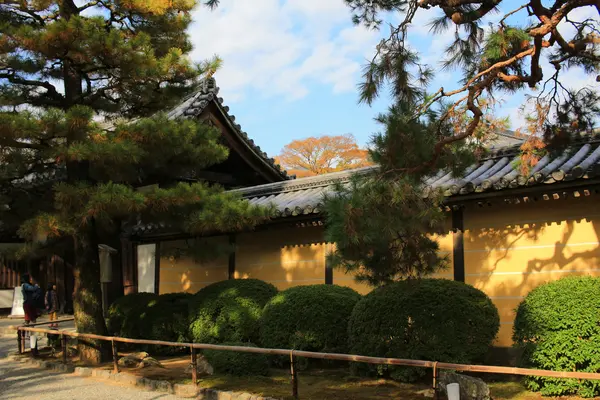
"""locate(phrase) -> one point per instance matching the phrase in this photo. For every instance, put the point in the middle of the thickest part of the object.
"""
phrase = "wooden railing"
(436, 366)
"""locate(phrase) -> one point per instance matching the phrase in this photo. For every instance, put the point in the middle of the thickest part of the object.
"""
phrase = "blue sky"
(291, 66)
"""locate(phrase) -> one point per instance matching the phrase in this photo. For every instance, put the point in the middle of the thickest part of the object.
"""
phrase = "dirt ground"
(324, 384)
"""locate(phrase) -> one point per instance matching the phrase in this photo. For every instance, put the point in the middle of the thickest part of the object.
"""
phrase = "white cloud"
(278, 48)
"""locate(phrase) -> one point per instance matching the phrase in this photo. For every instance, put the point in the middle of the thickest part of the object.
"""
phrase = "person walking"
(51, 302)
(29, 290)
(31, 293)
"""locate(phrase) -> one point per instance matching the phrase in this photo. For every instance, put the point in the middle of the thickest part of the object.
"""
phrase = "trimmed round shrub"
(558, 328)
(311, 318)
(426, 319)
(229, 311)
(166, 319)
(236, 363)
(125, 314)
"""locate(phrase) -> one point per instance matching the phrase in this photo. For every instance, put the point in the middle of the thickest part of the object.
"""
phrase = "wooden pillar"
(128, 265)
(231, 274)
(328, 266)
(458, 244)
(157, 268)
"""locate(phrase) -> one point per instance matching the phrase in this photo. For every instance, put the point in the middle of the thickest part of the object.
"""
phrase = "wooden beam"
(215, 177)
(458, 245)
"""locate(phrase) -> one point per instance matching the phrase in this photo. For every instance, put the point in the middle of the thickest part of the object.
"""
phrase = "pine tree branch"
(4, 142)
(35, 168)
(88, 5)
(21, 11)
(465, 17)
(15, 79)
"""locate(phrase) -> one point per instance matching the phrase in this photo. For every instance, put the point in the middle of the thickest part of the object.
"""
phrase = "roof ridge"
(205, 92)
(302, 183)
(514, 149)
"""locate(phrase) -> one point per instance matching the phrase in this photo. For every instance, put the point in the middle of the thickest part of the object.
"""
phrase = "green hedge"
(166, 319)
(235, 363)
(428, 319)
(127, 313)
(149, 316)
(229, 311)
(558, 328)
(312, 318)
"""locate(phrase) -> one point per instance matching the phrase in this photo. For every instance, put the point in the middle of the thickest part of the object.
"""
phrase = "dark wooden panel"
(458, 245)
(232, 257)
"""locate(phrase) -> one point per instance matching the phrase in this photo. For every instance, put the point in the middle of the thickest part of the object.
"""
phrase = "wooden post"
(435, 378)
(115, 357)
(294, 375)
(194, 367)
(64, 348)
(23, 338)
(20, 341)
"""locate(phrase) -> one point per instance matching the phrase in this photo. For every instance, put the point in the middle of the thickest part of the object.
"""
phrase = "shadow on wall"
(181, 273)
(284, 257)
(515, 249)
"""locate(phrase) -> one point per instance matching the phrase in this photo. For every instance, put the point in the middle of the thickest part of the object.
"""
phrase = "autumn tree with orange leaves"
(323, 154)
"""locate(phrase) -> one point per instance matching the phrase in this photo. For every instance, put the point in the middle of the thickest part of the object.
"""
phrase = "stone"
(127, 379)
(149, 362)
(164, 386)
(133, 359)
(470, 388)
(140, 355)
(203, 367)
(225, 396)
(244, 396)
(149, 384)
(429, 393)
(185, 390)
(101, 374)
(128, 361)
(82, 371)
(208, 394)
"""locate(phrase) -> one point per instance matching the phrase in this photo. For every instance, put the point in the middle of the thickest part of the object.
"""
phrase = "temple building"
(506, 232)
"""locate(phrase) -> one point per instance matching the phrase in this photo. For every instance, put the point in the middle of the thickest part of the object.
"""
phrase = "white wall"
(146, 267)
(6, 298)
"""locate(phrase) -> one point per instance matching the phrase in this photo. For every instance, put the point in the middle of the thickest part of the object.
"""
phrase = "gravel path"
(21, 381)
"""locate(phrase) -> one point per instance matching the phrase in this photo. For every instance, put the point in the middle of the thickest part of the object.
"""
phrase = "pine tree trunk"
(88, 296)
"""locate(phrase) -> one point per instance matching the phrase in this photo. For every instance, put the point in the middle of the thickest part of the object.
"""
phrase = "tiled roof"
(496, 172)
(195, 104)
(505, 139)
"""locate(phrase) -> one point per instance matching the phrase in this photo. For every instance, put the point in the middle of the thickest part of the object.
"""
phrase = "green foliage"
(149, 316)
(229, 311)
(82, 89)
(311, 318)
(236, 363)
(381, 222)
(558, 328)
(127, 312)
(166, 319)
(428, 319)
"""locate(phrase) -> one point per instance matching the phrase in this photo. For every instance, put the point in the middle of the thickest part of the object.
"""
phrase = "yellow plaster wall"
(510, 250)
(446, 248)
(285, 257)
(186, 275)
